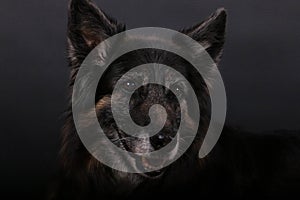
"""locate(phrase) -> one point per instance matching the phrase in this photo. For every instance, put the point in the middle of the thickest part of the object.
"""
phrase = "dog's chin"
(145, 170)
(140, 177)
(153, 174)
(153, 171)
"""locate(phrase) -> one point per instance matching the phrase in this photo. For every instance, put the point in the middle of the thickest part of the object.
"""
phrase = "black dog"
(242, 165)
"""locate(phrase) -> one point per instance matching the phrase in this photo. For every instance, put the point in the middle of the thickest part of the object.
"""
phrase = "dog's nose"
(159, 140)
(161, 136)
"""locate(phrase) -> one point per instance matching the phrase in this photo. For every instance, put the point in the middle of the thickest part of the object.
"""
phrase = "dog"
(241, 165)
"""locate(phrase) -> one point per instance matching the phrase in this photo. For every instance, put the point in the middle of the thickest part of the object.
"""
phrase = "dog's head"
(89, 26)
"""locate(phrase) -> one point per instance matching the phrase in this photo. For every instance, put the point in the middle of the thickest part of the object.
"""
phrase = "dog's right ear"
(87, 27)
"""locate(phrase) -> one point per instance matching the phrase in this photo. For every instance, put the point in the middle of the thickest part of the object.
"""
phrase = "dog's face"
(141, 101)
(89, 26)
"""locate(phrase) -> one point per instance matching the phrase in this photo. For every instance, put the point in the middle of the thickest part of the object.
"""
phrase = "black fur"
(242, 165)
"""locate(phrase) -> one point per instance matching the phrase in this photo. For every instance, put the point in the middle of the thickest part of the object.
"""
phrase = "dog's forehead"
(155, 73)
(151, 39)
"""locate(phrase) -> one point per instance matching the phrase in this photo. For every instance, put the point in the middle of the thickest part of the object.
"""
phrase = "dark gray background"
(260, 69)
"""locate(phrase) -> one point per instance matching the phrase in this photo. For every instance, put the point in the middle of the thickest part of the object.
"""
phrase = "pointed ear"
(88, 26)
(210, 33)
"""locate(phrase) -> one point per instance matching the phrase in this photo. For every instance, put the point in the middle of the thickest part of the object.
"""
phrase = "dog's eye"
(129, 86)
(178, 89)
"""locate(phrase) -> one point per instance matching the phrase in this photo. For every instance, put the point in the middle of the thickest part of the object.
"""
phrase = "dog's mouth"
(154, 174)
(154, 168)
(149, 168)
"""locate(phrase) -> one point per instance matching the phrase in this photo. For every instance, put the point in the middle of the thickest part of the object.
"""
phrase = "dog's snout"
(160, 140)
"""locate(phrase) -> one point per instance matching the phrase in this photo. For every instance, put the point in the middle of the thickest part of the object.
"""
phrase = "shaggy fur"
(242, 165)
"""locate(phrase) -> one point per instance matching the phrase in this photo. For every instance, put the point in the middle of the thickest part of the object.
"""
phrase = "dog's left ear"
(210, 33)
(88, 26)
